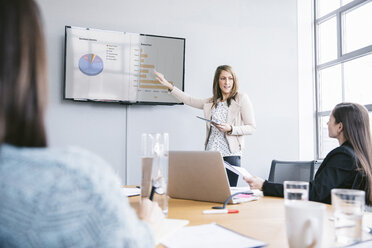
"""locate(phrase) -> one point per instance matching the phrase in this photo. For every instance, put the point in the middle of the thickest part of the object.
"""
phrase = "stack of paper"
(168, 228)
(210, 235)
(237, 170)
(131, 191)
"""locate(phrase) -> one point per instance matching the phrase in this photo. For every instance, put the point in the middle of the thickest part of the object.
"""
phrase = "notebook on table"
(201, 176)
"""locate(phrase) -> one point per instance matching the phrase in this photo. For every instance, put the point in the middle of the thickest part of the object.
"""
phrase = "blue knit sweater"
(64, 198)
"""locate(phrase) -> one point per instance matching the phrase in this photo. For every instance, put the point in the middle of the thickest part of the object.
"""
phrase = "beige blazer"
(240, 116)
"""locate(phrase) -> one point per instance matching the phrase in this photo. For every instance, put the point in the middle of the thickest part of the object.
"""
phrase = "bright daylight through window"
(343, 47)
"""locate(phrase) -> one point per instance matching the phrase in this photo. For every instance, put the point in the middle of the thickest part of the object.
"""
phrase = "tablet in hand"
(213, 122)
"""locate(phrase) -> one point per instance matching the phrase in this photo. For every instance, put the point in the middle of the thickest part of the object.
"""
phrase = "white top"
(240, 116)
(217, 139)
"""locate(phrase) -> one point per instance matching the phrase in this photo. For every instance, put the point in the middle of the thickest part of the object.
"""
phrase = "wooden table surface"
(263, 219)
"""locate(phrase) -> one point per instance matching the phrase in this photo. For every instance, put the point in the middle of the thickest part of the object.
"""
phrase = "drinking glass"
(154, 179)
(348, 209)
(296, 190)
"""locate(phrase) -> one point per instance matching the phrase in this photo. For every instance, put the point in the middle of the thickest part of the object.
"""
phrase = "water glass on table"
(296, 190)
(154, 161)
(348, 208)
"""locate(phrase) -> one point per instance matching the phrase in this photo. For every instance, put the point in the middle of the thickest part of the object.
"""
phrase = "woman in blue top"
(51, 197)
(348, 166)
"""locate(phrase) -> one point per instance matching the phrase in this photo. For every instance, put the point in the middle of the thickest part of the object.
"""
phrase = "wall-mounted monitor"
(112, 66)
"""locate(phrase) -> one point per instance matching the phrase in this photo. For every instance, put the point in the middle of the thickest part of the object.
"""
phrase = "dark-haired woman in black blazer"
(347, 166)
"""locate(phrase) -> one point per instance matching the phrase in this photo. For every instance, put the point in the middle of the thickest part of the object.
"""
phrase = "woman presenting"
(232, 111)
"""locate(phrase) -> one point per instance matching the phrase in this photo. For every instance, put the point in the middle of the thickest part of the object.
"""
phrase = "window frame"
(341, 59)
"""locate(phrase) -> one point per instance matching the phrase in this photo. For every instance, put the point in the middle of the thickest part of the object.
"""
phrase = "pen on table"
(221, 211)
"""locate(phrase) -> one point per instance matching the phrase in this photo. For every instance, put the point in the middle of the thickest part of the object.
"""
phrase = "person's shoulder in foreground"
(64, 198)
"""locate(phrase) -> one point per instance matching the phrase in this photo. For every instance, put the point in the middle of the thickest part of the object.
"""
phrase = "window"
(343, 60)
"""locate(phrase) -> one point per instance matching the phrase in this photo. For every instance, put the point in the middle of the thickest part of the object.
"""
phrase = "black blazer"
(338, 170)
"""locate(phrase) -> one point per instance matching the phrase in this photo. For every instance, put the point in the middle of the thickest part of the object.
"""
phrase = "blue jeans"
(233, 178)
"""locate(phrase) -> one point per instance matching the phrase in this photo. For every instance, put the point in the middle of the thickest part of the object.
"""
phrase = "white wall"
(306, 93)
(257, 37)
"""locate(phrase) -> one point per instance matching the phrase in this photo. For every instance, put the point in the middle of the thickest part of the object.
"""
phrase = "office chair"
(281, 171)
(317, 164)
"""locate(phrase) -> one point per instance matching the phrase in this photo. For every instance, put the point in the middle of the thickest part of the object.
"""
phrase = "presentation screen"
(112, 66)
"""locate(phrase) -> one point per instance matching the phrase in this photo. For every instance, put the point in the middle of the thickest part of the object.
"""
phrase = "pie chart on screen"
(91, 64)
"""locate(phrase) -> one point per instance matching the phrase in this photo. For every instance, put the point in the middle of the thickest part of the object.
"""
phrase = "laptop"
(201, 176)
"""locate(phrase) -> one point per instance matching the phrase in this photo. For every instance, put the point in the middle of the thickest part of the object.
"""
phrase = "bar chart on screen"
(158, 53)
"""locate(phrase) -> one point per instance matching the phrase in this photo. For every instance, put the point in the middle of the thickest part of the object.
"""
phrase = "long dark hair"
(217, 94)
(356, 129)
(23, 82)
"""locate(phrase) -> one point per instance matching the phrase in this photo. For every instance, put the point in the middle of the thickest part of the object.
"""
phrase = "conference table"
(262, 219)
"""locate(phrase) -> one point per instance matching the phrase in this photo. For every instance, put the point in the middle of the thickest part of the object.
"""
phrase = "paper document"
(168, 228)
(131, 191)
(237, 170)
(213, 122)
(210, 235)
(240, 189)
(362, 244)
(243, 197)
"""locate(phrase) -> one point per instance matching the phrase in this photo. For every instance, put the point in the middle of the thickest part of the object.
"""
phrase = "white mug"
(305, 224)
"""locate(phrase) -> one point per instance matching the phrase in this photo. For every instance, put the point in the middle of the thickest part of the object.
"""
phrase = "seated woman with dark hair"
(52, 197)
(348, 166)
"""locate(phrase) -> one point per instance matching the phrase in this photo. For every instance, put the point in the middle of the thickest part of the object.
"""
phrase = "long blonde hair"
(217, 94)
(356, 129)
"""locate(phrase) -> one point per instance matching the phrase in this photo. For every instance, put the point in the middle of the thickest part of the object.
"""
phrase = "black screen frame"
(116, 101)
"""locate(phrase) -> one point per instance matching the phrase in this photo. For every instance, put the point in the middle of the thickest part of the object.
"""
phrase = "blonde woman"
(232, 111)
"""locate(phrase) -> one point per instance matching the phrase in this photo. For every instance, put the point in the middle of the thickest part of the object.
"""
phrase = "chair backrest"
(317, 164)
(281, 171)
